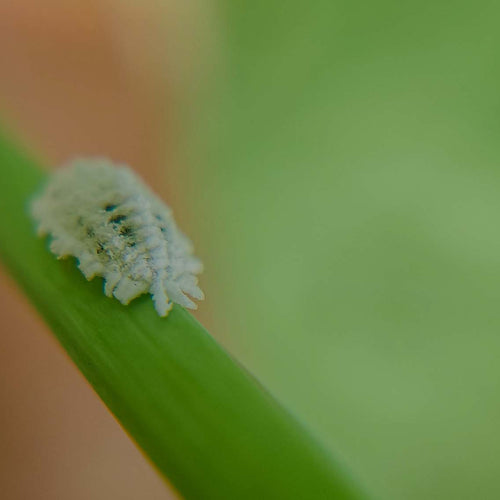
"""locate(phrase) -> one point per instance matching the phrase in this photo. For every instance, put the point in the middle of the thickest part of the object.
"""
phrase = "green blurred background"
(338, 162)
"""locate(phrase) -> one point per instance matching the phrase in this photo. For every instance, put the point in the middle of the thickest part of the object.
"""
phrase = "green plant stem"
(204, 422)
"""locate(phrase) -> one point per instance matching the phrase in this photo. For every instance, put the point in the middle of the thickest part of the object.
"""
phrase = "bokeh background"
(337, 165)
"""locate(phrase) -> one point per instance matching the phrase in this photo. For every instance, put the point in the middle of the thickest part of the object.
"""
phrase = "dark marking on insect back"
(128, 233)
(110, 207)
(116, 219)
(125, 230)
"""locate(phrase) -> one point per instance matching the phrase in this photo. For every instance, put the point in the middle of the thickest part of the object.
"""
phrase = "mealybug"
(103, 215)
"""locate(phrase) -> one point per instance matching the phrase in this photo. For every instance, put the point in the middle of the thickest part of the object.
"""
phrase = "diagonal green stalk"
(204, 422)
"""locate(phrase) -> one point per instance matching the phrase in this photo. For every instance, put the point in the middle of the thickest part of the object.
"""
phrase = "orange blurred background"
(94, 77)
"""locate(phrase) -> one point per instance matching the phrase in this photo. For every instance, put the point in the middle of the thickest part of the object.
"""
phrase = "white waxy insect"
(103, 215)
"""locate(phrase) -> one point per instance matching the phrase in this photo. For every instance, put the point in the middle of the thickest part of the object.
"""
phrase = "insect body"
(117, 228)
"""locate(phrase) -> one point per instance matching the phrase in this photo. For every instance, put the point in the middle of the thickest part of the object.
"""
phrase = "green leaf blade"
(204, 422)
